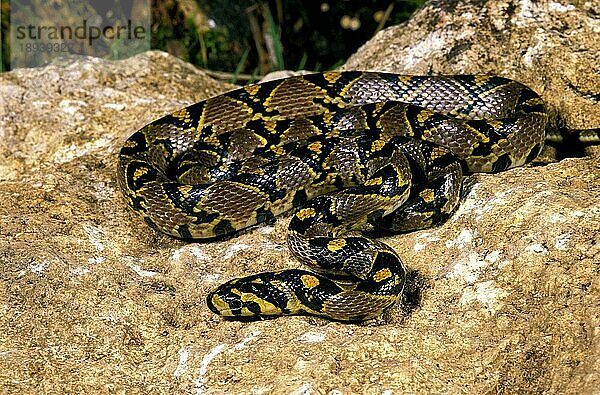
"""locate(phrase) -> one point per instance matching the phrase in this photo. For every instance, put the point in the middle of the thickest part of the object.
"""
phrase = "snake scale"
(348, 151)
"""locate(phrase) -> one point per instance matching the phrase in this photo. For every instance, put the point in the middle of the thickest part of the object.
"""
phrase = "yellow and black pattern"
(346, 150)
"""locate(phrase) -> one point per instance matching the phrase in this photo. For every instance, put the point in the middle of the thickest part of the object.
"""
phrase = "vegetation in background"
(39, 43)
(245, 39)
(248, 38)
(4, 38)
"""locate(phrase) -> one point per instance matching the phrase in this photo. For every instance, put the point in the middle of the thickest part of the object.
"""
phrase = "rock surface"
(503, 298)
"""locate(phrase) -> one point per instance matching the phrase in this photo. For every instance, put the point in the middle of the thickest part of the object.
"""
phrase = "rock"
(502, 298)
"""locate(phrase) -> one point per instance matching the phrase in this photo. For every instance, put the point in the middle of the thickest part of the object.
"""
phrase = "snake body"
(347, 150)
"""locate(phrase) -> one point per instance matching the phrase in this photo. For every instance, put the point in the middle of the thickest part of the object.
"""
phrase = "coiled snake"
(348, 150)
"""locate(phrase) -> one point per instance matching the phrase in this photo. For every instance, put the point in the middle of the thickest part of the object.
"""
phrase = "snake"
(352, 154)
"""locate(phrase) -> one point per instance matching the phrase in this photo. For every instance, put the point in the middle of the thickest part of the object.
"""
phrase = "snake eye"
(235, 304)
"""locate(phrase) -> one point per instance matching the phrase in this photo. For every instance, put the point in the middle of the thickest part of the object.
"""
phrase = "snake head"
(257, 295)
